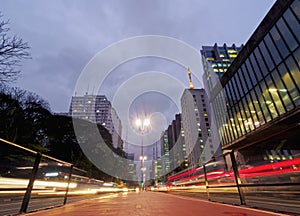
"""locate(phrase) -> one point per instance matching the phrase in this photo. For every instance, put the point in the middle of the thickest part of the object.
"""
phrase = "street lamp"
(142, 125)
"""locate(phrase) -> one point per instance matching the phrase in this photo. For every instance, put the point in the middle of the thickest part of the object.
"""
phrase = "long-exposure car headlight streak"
(38, 184)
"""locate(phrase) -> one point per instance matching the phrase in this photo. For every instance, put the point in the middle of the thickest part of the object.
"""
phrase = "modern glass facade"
(262, 86)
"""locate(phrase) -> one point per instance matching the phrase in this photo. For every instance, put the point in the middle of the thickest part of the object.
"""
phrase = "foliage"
(27, 120)
(12, 51)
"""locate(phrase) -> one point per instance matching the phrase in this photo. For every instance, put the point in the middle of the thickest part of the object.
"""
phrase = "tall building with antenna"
(196, 123)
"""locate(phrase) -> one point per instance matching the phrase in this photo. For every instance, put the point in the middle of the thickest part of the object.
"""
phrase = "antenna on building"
(190, 78)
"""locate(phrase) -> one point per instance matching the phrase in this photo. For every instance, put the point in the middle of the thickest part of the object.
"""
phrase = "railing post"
(206, 182)
(237, 178)
(69, 181)
(30, 183)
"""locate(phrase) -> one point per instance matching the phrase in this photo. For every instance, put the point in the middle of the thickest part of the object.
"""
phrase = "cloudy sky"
(65, 35)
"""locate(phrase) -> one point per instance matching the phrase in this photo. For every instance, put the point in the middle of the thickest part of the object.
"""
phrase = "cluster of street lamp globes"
(142, 125)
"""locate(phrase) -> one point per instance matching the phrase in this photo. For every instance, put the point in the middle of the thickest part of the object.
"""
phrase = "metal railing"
(274, 186)
(27, 175)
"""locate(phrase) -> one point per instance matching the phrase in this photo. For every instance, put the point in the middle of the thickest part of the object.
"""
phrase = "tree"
(12, 51)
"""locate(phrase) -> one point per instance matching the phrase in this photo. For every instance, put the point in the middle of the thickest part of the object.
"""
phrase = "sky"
(65, 35)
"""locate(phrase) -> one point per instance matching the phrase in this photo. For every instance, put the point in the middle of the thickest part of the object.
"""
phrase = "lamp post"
(142, 125)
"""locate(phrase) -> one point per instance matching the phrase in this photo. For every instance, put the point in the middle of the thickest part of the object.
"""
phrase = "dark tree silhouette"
(12, 50)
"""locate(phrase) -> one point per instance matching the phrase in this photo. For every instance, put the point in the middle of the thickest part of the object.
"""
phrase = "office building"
(196, 125)
(216, 60)
(257, 104)
(174, 146)
(97, 109)
(165, 161)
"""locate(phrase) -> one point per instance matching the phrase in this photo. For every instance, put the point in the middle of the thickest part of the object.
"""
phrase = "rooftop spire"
(190, 78)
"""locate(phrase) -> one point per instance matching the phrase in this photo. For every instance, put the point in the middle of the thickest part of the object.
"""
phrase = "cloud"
(64, 35)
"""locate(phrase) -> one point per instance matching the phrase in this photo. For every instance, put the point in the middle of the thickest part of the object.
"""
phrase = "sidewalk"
(149, 204)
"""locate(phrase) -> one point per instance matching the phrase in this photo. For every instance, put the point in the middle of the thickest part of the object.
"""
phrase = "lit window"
(231, 51)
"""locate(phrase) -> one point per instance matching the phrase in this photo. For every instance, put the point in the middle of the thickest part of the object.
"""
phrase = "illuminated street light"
(142, 126)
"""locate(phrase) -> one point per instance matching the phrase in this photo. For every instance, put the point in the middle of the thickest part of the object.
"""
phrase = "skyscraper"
(97, 109)
(165, 162)
(217, 59)
(196, 124)
(220, 57)
(173, 145)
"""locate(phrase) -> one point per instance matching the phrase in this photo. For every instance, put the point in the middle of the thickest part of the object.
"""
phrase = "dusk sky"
(65, 35)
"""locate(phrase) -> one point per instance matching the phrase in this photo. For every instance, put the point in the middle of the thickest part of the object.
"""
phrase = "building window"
(261, 62)
(282, 91)
(266, 55)
(293, 23)
(286, 78)
(242, 79)
(272, 48)
(294, 68)
(287, 35)
(274, 94)
(255, 67)
(269, 101)
(279, 42)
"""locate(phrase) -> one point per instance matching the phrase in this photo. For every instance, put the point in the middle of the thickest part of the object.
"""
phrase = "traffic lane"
(148, 204)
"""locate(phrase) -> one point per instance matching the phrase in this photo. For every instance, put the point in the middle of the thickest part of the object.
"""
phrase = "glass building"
(257, 101)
